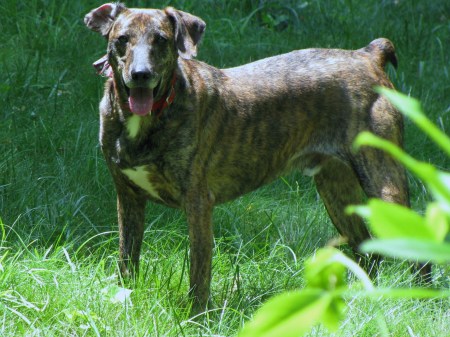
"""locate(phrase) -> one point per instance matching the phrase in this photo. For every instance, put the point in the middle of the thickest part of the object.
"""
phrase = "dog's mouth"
(140, 99)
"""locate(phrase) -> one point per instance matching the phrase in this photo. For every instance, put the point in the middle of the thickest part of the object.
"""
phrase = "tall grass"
(58, 246)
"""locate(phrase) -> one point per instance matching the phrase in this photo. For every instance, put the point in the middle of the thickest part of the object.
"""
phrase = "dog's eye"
(123, 39)
(160, 39)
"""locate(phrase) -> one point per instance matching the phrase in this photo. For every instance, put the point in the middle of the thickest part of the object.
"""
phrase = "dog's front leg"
(199, 208)
(131, 216)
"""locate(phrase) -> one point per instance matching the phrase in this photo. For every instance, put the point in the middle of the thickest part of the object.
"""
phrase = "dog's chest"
(141, 177)
(154, 183)
(149, 169)
(142, 164)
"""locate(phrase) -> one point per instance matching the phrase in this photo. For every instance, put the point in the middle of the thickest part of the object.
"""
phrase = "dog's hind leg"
(339, 187)
(383, 177)
(131, 216)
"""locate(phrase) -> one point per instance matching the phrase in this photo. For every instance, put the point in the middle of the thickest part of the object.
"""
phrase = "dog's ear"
(102, 18)
(189, 30)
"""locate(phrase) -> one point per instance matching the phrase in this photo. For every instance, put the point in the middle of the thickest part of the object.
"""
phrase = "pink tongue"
(141, 100)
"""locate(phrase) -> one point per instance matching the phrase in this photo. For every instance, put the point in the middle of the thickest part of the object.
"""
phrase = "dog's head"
(143, 47)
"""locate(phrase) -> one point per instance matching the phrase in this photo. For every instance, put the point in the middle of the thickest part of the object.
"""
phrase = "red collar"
(167, 99)
(104, 69)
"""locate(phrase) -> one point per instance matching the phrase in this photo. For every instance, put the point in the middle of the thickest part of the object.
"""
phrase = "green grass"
(58, 246)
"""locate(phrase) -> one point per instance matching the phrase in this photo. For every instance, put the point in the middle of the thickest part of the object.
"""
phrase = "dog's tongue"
(141, 100)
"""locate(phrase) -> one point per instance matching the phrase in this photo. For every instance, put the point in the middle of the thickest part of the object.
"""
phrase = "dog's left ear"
(102, 18)
(189, 30)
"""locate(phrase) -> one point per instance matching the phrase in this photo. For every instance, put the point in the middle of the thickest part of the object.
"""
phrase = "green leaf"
(411, 108)
(402, 293)
(437, 181)
(437, 221)
(294, 313)
(369, 139)
(334, 314)
(289, 314)
(324, 271)
(409, 249)
(390, 221)
(419, 168)
(443, 181)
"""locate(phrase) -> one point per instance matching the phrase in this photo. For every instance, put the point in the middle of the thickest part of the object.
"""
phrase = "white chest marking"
(133, 125)
(140, 176)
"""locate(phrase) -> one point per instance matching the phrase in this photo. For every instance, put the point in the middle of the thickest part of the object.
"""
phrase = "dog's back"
(289, 111)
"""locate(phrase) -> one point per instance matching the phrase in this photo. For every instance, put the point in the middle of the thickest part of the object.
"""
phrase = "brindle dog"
(182, 133)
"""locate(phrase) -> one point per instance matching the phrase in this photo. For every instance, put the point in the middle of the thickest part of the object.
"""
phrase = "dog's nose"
(141, 76)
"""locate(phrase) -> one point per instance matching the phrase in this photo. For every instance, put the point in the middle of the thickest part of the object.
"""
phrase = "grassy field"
(58, 247)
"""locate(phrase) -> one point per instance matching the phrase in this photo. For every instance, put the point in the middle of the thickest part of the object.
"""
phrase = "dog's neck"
(166, 100)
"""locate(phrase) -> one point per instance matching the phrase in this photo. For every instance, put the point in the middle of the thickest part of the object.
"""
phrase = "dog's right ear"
(102, 18)
(189, 30)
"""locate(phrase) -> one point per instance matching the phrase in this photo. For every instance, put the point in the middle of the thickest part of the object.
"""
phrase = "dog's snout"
(142, 75)
(141, 70)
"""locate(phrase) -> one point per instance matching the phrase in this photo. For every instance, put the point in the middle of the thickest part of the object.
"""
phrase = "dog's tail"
(382, 51)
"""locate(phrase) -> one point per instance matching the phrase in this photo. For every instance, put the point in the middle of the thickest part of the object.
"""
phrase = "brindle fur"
(229, 131)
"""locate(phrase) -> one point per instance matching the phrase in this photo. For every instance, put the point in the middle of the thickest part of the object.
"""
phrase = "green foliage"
(405, 234)
(400, 233)
(392, 224)
(294, 313)
(289, 314)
